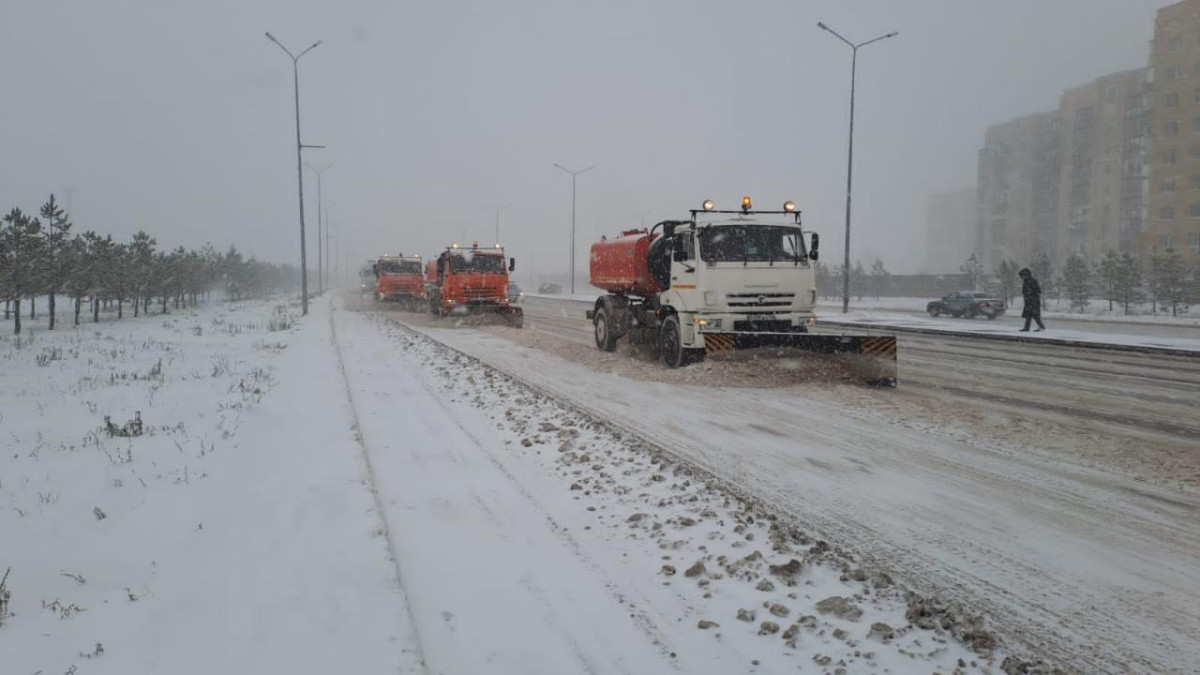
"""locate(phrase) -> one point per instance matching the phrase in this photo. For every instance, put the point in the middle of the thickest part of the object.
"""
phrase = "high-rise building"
(1017, 194)
(1173, 120)
(1102, 166)
(950, 229)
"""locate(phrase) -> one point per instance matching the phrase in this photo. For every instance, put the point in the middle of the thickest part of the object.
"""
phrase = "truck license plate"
(762, 317)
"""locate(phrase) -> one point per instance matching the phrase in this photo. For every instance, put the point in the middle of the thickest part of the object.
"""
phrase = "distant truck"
(398, 278)
(472, 281)
(969, 304)
(366, 278)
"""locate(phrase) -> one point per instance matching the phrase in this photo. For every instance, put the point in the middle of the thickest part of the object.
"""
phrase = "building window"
(1174, 44)
(1111, 92)
(1164, 242)
(1173, 100)
(1170, 128)
(1194, 209)
(1167, 185)
(1194, 242)
(1174, 73)
(1168, 156)
(1195, 181)
(1166, 213)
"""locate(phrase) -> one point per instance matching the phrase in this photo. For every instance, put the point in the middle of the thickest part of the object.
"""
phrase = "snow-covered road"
(530, 539)
(1079, 538)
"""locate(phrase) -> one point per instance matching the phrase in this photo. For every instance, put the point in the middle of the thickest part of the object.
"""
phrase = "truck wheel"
(935, 312)
(992, 316)
(606, 339)
(670, 344)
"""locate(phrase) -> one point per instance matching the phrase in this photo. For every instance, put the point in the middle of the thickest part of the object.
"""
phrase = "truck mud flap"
(872, 358)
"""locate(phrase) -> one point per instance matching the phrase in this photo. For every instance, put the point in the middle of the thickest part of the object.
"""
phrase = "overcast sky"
(177, 117)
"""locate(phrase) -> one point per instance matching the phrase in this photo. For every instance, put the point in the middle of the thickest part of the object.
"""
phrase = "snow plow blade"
(870, 357)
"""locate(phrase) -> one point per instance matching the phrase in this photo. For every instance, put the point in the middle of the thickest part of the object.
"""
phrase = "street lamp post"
(573, 174)
(299, 166)
(498, 210)
(321, 275)
(850, 161)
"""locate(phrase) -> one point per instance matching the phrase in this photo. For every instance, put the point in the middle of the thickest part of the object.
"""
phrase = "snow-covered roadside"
(883, 320)
(235, 535)
(1096, 311)
(539, 540)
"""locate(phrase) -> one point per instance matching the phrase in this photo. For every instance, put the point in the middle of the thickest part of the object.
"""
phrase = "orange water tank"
(622, 264)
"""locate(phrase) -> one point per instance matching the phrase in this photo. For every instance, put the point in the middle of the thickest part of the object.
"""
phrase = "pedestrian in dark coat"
(1031, 293)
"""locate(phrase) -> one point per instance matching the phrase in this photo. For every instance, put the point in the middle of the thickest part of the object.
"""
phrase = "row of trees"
(875, 282)
(1164, 280)
(39, 256)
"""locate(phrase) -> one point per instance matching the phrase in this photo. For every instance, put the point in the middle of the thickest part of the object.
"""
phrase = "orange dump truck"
(471, 280)
(398, 278)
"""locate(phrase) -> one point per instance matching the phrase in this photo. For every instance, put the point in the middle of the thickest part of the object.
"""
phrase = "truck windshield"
(751, 243)
(489, 263)
(399, 267)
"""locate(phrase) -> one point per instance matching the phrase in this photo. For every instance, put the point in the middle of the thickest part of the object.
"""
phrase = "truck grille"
(479, 292)
(763, 300)
(762, 326)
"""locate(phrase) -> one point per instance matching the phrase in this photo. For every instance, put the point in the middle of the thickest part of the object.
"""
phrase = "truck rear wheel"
(606, 339)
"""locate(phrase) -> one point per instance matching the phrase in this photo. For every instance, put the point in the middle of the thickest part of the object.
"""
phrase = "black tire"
(670, 345)
(992, 317)
(957, 315)
(517, 319)
(971, 314)
(606, 339)
(935, 312)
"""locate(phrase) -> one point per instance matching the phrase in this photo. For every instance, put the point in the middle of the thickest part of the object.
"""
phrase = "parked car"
(550, 289)
(967, 303)
(515, 294)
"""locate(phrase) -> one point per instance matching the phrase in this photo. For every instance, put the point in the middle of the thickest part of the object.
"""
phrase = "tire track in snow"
(375, 495)
(641, 618)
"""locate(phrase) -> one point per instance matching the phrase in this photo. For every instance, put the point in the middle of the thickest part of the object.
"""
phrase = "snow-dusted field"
(234, 535)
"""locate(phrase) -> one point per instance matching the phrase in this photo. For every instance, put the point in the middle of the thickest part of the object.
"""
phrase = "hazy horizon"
(178, 119)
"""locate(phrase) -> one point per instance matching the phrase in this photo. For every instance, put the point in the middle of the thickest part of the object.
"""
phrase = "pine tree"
(1007, 274)
(58, 229)
(1110, 271)
(879, 277)
(1077, 277)
(20, 234)
(972, 269)
(1173, 283)
(1129, 281)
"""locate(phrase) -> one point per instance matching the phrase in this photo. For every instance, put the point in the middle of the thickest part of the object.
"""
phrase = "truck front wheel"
(606, 339)
(670, 345)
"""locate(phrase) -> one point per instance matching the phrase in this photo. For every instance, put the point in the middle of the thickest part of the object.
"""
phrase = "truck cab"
(467, 280)
(399, 278)
(745, 274)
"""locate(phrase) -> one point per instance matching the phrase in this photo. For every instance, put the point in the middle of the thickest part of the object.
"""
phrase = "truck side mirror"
(512, 264)
(375, 269)
(816, 243)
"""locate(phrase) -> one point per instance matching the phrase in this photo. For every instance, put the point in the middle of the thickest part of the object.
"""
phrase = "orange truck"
(398, 278)
(471, 280)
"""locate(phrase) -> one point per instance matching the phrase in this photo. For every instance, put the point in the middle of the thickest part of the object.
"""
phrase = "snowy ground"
(347, 493)
(234, 535)
(342, 494)
(1073, 531)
